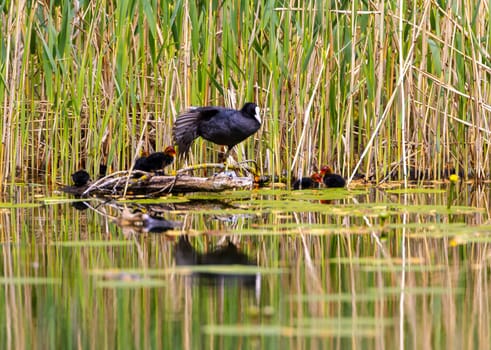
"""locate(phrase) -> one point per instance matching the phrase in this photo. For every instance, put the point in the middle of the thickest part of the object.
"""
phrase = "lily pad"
(61, 200)
(225, 195)
(116, 273)
(347, 298)
(344, 322)
(416, 190)
(416, 290)
(138, 283)
(160, 200)
(228, 269)
(284, 331)
(29, 280)
(91, 244)
(10, 205)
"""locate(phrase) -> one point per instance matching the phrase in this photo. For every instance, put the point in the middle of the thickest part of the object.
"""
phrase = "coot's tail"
(185, 130)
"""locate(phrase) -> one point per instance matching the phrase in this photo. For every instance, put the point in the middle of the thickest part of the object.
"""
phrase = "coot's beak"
(258, 115)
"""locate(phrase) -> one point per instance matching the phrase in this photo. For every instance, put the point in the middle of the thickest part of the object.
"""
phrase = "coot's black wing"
(187, 125)
(227, 127)
(185, 130)
(208, 113)
(223, 126)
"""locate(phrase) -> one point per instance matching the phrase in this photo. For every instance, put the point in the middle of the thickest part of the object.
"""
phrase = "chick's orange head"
(326, 169)
(170, 151)
(316, 177)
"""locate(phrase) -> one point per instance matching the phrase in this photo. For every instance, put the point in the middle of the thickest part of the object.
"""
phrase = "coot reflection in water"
(81, 206)
(137, 223)
(229, 254)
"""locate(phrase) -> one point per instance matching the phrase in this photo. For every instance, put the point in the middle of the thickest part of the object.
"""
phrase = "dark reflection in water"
(156, 224)
(138, 223)
(80, 205)
(364, 272)
(229, 254)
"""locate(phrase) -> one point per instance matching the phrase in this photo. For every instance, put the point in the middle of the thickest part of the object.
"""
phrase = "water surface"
(368, 268)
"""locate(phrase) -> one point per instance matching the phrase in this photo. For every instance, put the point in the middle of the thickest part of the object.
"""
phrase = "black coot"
(102, 170)
(156, 161)
(330, 179)
(223, 126)
(80, 178)
(308, 182)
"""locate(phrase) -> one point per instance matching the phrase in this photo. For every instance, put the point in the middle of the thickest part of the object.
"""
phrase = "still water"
(368, 268)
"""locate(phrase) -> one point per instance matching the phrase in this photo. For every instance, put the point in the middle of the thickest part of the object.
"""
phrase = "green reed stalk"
(86, 80)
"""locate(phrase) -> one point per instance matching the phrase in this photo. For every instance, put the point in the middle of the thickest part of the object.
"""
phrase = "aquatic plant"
(351, 84)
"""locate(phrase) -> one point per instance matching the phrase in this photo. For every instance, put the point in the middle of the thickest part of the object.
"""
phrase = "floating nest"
(126, 183)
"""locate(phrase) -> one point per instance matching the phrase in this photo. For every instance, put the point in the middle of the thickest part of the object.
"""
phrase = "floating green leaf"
(160, 200)
(92, 244)
(29, 280)
(4, 205)
(138, 283)
(268, 330)
(416, 190)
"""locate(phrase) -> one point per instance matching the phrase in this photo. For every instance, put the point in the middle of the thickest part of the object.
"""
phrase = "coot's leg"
(223, 157)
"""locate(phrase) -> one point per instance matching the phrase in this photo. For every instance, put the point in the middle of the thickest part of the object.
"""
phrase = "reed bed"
(367, 87)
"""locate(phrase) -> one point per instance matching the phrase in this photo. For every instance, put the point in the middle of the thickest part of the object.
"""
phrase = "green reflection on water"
(330, 267)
